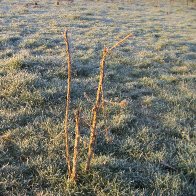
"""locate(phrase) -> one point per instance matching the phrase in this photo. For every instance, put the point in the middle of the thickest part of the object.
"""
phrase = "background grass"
(152, 148)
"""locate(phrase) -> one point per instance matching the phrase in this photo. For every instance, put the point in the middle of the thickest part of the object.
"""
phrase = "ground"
(151, 149)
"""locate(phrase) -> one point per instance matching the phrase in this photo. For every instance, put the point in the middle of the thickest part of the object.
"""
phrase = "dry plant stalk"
(120, 42)
(76, 146)
(95, 110)
(99, 99)
(66, 123)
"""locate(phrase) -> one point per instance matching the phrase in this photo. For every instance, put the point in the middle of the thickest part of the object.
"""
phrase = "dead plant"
(76, 146)
(95, 109)
(99, 98)
(72, 172)
(66, 123)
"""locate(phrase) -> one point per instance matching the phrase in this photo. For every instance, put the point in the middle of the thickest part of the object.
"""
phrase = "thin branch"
(120, 42)
(95, 110)
(122, 103)
(67, 155)
(76, 146)
(99, 99)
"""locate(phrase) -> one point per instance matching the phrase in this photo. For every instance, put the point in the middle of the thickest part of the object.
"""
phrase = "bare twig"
(99, 99)
(120, 42)
(76, 146)
(122, 103)
(95, 110)
(67, 155)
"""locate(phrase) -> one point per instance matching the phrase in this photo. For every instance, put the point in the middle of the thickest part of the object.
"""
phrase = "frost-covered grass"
(153, 141)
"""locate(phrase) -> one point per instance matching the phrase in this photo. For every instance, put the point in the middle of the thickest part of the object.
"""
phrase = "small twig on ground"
(122, 103)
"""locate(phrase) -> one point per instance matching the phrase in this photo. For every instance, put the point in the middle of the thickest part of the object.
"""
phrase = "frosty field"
(152, 147)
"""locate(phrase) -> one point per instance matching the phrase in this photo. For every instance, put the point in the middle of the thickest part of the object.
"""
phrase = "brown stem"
(67, 155)
(120, 42)
(95, 110)
(99, 97)
(76, 146)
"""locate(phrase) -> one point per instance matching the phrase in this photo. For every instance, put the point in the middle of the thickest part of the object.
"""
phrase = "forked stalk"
(99, 98)
(95, 110)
